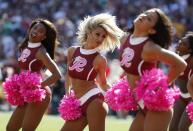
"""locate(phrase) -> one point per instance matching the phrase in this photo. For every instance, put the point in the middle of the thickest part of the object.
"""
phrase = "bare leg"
(34, 114)
(178, 111)
(16, 119)
(75, 125)
(185, 122)
(157, 121)
(96, 114)
(138, 122)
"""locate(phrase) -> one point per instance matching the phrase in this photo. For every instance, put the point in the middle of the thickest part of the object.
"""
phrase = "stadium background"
(16, 15)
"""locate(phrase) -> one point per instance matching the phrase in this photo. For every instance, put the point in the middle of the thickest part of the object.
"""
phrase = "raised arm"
(153, 53)
(66, 76)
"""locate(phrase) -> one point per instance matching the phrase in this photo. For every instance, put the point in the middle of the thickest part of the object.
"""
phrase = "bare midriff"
(132, 80)
(81, 87)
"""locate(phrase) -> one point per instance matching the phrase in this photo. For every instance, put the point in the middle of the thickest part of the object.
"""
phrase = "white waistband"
(141, 103)
(185, 95)
(89, 94)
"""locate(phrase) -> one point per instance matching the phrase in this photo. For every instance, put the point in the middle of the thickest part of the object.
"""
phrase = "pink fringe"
(120, 96)
(25, 87)
(189, 110)
(12, 90)
(31, 87)
(154, 90)
(69, 107)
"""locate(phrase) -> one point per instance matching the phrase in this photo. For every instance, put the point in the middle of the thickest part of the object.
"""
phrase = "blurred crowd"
(16, 16)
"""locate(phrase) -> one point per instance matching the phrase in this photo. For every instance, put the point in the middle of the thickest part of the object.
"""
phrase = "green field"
(54, 123)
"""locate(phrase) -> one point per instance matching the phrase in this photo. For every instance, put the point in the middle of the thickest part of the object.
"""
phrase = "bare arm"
(100, 66)
(50, 65)
(153, 52)
(66, 77)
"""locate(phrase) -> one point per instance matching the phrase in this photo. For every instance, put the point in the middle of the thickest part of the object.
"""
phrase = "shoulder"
(152, 51)
(101, 59)
(71, 50)
(41, 51)
(151, 48)
(124, 38)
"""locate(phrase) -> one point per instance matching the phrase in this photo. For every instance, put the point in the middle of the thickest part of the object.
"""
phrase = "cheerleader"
(37, 53)
(180, 120)
(85, 64)
(142, 48)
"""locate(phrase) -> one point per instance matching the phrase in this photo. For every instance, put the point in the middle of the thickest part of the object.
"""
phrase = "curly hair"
(164, 30)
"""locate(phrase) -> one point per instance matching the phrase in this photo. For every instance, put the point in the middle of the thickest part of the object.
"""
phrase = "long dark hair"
(163, 27)
(49, 42)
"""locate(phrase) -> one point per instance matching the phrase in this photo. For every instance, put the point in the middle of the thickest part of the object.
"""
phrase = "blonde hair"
(107, 22)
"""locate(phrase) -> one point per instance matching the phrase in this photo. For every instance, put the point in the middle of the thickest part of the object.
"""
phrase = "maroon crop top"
(27, 60)
(188, 71)
(130, 58)
(81, 66)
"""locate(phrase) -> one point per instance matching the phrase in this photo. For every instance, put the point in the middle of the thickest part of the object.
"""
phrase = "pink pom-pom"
(25, 87)
(30, 80)
(69, 107)
(159, 100)
(189, 110)
(12, 90)
(120, 96)
(35, 95)
(176, 92)
(153, 89)
(150, 79)
(30, 83)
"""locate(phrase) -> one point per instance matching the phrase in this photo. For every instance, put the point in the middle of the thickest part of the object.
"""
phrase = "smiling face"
(96, 37)
(146, 21)
(37, 33)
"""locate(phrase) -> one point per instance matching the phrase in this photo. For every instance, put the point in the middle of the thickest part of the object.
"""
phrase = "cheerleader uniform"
(131, 60)
(27, 60)
(130, 56)
(185, 96)
(81, 67)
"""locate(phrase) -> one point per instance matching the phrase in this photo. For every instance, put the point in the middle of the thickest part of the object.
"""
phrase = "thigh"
(138, 122)
(178, 111)
(16, 119)
(34, 114)
(96, 114)
(185, 122)
(157, 121)
(75, 125)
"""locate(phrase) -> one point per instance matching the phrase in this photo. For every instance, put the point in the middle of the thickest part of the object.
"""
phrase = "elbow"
(182, 66)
